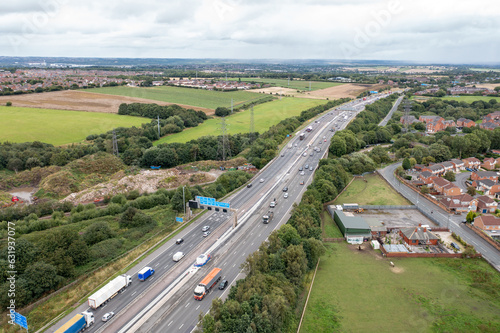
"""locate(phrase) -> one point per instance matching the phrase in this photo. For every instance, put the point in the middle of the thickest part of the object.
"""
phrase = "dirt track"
(78, 100)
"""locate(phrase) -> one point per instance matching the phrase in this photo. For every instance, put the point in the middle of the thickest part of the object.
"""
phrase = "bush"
(8, 104)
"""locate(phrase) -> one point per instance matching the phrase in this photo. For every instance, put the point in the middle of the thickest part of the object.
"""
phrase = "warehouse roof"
(352, 222)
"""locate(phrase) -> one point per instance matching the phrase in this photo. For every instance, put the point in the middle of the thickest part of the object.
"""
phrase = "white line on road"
(187, 305)
(225, 264)
(133, 293)
(157, 264)
(198, 307)
(251, 244)
(181, 326)
(170, 323)
(234, 265)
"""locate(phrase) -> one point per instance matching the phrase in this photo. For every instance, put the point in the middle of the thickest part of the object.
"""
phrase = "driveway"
(460, 179)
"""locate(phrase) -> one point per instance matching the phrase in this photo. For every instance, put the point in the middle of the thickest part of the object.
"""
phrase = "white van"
(178, 256)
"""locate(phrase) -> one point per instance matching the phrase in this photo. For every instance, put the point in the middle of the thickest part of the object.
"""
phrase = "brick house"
(460, 203)
(488, 126)
(472, 162)
(435, 169)
(448, 166)
(488, 223)
(418, 236)
(463, 122)
(484, 185)
(445, 187)
(486, 204)
(427, 177)
(494, 191)
(482, 175)
(488, 163)
(458, 165)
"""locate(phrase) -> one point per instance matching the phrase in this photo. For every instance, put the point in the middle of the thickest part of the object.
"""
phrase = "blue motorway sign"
(178, 219)
(211, 202)
(20, 320)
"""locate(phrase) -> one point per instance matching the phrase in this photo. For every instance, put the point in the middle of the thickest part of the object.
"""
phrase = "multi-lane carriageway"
(165, 302)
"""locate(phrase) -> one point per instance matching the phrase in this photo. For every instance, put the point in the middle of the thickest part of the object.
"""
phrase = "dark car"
(179, 241)
(301, 168)
(223, 285)
(285, 189)
(249, 185)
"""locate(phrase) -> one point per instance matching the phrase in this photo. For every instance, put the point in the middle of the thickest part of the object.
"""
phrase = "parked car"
(179, 241)
(223, 284)
(205, 228)
(107, 316)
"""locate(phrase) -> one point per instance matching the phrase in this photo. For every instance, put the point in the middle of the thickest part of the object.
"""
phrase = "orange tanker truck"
(207, 283)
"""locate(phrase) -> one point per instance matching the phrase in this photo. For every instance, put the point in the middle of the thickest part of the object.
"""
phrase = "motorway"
(170, 289)
(441, 217)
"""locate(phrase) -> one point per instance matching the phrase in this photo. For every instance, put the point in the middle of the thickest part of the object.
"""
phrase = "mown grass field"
(265, 116)
(186, 96)
(375, 191)
(358, 291)
(294, 84)
(58, 127)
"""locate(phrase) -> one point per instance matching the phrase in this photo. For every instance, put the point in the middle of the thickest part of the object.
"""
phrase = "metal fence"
(383, 207)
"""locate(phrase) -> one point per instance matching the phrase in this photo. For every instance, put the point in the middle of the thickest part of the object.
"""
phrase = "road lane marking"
(170, 323)
(134, 293)
(181, 326)
(198, 307)
(157, 264)
(187, 305)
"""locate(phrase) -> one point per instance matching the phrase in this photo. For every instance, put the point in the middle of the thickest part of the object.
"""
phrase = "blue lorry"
(78, 323)
(145, 273)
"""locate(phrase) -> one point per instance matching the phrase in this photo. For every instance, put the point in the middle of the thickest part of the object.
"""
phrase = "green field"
(358, 291)
(265, 115)
(470, 99)
(58, 127)
(294, 84)
(485, 69)
(187, 96)
(375, 191)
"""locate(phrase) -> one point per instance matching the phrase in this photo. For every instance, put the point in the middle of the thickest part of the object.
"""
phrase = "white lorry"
(109, 291)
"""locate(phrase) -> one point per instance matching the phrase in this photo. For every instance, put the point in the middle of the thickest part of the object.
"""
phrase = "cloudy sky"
(440, 31)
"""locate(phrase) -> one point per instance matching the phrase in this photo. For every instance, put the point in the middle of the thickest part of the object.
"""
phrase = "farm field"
(358, 291)
(58, 127)
(375, 191)
(294, 84)
(80, 100)
(185, 96)
(265, 116)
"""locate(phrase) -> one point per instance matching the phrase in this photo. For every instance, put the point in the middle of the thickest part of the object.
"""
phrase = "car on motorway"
(249, 185)
(285, 195)
(302, 183)
(206, 233)
(282, 154)
(285, 189)
(311, 168)
(302, 173)
(179, 241)
(325, 140)
(311, 154)
(205, 228)
(295, 145)
(301, 168)
(306, 166)
(305, 154)
(223, 284)
(261, 180)
(107, 316)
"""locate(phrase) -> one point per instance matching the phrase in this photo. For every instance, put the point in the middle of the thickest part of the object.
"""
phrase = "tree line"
(52, 252)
